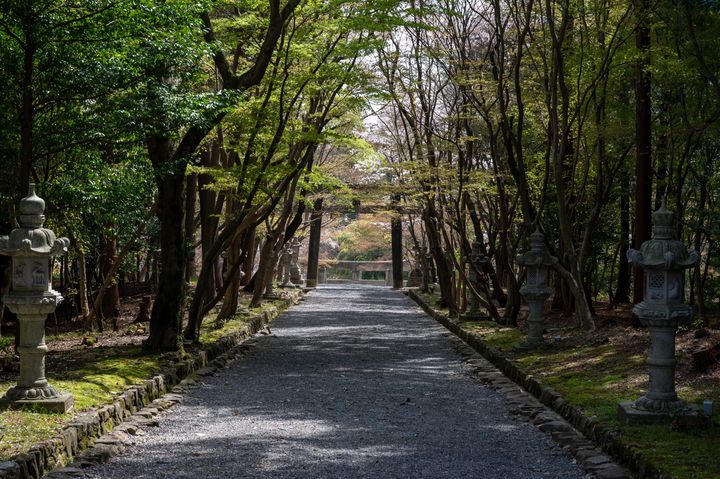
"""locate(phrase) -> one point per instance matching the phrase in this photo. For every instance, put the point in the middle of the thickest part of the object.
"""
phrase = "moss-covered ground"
(596, 371)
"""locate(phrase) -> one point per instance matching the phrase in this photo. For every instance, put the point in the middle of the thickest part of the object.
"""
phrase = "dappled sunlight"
(342, 392)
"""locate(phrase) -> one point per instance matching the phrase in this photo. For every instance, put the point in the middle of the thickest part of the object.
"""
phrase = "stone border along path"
(354, 382)
(544, 407)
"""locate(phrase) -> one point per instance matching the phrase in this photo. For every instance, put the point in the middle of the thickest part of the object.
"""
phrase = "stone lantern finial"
(663, 223)
(31, 210)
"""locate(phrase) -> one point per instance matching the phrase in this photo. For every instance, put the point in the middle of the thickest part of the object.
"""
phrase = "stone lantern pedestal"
(32, 247)
(663, 260)
(476, 260)
(536, 291)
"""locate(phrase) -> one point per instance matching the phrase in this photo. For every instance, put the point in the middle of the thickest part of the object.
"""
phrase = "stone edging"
(88, 426)
(592, 429)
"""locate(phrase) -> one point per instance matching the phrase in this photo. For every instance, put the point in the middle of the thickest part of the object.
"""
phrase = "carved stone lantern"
(537, 262)
(430, 266)
(32, 298)
(422, 261)
(476, 260)
(663, 259)
(287, 259)
(295, 272)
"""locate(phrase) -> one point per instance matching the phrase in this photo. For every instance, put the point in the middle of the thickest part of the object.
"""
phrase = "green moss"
(500, 337)
(100, 374)
(211, 334)
(596, 378)
(19, 430)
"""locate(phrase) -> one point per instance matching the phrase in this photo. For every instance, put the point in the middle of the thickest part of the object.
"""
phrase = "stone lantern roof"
(31, 239)
(663, 251)
(538, 254)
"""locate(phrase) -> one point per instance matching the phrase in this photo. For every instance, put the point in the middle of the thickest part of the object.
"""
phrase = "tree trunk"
(230, 303)
(314, 244)
(208, 221)
(264, 268)
(397, 252)
(190, 202)
(166, 317)
(110, 305)
(249, 260)
(622, 293)
(643, 139)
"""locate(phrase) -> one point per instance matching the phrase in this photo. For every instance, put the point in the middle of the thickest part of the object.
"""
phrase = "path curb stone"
(585, 452)
(135, 406)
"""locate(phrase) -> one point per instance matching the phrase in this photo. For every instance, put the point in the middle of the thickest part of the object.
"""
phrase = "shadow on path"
(354, 382)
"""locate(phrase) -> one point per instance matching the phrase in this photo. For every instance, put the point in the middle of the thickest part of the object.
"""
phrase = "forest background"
(155, 128)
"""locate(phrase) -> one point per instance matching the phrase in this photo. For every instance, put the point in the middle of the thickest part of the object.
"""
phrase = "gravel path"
(353, 382)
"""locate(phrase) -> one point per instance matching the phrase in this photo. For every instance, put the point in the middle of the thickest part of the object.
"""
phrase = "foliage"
(364, 240)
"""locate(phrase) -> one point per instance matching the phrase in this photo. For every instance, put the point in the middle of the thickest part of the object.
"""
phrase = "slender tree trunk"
(190, 203)
(397, 249)
(230, 303)
(264, 268)
(643, 139)
(622, 293)
(110, 305)
(208, 222)
(83, 285)
(249, 261)
(27, 114)
(314, 244)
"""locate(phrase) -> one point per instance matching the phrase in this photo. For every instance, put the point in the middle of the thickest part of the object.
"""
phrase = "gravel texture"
(356, 381)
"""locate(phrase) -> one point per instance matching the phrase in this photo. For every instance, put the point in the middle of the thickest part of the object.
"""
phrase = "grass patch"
(498, 336)
(211, 333)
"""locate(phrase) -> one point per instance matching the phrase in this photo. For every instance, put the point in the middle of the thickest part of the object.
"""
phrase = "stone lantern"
(430, 265)
(663, 259)
(424, 268)
(287, 259)
(476, 260)
(32, 298)
(295, 272)
(537, 262)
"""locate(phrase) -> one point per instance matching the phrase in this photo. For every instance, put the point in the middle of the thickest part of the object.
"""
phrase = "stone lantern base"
(686, 415)
(62, 403)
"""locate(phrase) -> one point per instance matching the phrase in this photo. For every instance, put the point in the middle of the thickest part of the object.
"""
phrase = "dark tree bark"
(111, 299)
(314, 244)
(249, 262)
(622, 293)
(166, 317)
(643, 140)
(190, 204)
(397, 250)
